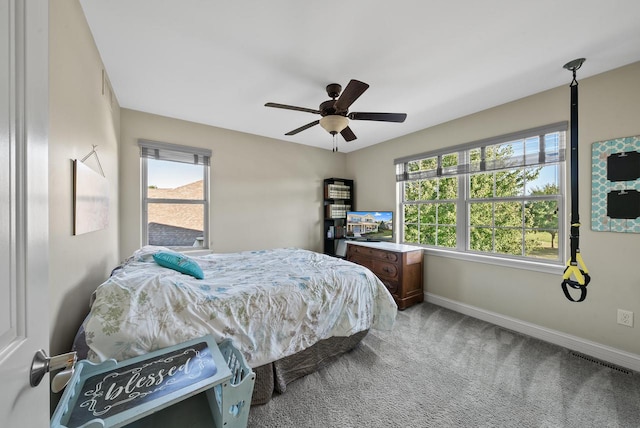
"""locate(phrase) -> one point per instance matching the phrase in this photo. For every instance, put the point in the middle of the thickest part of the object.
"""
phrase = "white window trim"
(461, 253)
(545, 267)
(144, 231)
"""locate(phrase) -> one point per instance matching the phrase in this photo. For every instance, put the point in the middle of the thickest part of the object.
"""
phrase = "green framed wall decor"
(615, 188)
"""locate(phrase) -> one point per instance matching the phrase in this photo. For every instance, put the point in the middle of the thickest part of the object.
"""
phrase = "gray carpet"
(439, 368)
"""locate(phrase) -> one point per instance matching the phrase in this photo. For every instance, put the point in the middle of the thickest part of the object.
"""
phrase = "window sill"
(548, 267)
(196, 252)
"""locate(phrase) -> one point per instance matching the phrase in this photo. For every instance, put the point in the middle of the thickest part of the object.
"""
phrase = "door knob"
(43, 364)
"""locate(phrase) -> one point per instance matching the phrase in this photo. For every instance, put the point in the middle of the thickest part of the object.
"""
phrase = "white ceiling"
(218, 62)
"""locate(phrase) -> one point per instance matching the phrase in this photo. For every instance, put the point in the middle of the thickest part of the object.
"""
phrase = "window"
(175, 195)
(500, 197)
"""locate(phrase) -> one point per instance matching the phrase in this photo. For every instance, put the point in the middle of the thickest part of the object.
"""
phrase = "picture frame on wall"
(90, 199)
(615, 187)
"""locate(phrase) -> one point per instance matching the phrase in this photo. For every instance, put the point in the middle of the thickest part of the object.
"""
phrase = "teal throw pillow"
(179, 262)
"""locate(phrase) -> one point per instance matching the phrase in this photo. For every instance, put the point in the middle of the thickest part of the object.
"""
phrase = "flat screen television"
(369, 225)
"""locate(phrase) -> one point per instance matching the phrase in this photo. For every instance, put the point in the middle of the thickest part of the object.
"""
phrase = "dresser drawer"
(363, 261)
(385, 269)
(392, 286)
(374, 253)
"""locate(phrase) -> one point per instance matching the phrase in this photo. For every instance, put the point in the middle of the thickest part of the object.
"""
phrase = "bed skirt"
(274, 377)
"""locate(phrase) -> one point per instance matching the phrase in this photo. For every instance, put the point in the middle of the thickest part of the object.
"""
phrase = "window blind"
(174, 152)
(532, 147)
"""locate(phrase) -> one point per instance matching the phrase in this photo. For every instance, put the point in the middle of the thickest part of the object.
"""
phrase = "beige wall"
(264, 193)
(608, 108)
(79, 116)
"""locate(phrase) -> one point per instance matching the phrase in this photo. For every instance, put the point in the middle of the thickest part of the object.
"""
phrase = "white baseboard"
(593, 349)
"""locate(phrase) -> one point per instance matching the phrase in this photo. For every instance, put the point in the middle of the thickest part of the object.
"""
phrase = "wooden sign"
(108, 393)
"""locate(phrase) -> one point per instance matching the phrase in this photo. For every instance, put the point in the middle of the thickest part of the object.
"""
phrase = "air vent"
(107, 90)
(601, 363)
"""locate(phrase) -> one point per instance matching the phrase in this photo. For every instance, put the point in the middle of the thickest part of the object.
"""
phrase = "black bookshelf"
(338, 199)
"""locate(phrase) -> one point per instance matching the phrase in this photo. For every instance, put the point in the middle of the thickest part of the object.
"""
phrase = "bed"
(289, 311)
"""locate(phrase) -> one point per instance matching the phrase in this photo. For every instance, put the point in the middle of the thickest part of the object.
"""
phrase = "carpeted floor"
(439, 368)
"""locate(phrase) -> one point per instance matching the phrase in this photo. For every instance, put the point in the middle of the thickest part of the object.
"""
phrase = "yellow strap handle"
(580, 272)
(578, 269)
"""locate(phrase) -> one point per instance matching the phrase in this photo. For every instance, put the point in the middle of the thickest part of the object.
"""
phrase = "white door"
(24, 283)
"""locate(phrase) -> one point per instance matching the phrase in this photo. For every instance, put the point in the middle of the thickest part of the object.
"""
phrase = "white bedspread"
(270, 303)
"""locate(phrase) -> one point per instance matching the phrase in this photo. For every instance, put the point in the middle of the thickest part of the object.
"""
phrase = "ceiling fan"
(335, 112)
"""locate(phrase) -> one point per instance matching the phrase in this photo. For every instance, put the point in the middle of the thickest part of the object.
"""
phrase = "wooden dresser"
(398, 266)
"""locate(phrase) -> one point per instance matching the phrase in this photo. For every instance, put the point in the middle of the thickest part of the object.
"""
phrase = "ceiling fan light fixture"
(335, 112)
(334, 123)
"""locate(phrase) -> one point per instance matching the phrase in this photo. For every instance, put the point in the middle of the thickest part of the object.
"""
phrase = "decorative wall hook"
(93, 152)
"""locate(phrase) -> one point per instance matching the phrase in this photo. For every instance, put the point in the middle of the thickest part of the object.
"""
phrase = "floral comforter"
(270, 303)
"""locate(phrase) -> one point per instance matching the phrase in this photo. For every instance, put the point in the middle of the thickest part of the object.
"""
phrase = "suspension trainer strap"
(575, 266)
(580, 272)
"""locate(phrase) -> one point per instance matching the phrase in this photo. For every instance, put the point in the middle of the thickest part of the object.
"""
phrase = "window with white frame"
(500, 196)
(175, 195)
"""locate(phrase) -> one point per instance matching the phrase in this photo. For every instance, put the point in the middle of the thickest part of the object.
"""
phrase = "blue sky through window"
(169, 175)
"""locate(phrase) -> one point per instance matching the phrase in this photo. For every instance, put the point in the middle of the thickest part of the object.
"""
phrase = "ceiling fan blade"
(348, 134)
(380, 117)
(287, 107)
(302, 128)
(352, 92)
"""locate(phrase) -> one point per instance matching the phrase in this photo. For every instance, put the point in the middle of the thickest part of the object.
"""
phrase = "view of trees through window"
(509, 211)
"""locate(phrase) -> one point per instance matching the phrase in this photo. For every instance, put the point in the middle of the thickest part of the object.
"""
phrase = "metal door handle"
(42, 364)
